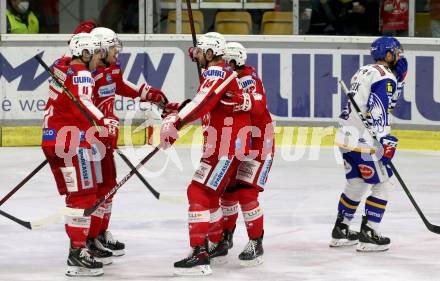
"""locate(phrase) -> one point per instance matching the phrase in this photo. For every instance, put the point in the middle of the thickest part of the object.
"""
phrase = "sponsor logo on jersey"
(264, 171)
(209, 73)
(108, 77)
(58, 73)
(219, 173)
(107, 90)
(99, 76)
(116, 71)
(367, 172)
(49, 134)
(70, 72)
(248, 82)
(202, 172)
(85, 169)
(83, 80)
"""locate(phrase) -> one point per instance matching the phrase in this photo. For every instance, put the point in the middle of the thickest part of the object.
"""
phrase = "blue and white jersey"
(375, 91)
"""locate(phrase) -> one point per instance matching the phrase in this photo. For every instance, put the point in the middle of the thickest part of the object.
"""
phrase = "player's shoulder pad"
(379, 72)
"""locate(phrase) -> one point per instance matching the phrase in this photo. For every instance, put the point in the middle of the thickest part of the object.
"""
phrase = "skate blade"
(105, 261)
(219, 260)
(257, 261)
(73, 271)
(118, 253)
(200, 270)
(368, 247)
(334, 243)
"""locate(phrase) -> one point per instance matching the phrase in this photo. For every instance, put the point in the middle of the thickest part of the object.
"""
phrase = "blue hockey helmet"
(382, 45)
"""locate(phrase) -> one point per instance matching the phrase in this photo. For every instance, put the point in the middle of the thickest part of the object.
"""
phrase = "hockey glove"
(153, 95)
(238, 101)
(401, 69)
(168, 131)
(173, 107)
(192, 53)
(389, 144)
(112, 127)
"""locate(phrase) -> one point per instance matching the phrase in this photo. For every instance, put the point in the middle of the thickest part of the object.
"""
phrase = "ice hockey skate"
(252, 254)
(99, 252)
(109, 243)
(218, 252)
(370, 240)
(196, 264)
(342, 235)
(81, 263)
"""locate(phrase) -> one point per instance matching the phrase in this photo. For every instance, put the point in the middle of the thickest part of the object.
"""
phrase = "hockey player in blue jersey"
(376, 89)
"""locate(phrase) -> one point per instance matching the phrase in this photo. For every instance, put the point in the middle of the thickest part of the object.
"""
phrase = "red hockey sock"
(106, 218)
(216, 221)
(198, 215)
(252, 212)
(77, 227)
(230, 206)
(96, 221)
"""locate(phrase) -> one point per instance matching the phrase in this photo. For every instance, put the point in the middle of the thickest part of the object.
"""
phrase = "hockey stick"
(23, 182)
(87, 212)
(40, 223)
(193, 30)
(431, 227)
(156, 194)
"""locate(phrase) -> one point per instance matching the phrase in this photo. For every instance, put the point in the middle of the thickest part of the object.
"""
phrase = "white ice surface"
(300, 204)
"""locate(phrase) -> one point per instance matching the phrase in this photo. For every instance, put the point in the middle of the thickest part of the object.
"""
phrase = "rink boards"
(300, 75)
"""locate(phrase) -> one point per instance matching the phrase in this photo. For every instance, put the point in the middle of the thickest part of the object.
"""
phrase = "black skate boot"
(370, 240)
(108, 242)
(98, 252)
(342, 235)
(218, 252)
(252, 254)
(196, 264)
(81, 263)
(228, 236)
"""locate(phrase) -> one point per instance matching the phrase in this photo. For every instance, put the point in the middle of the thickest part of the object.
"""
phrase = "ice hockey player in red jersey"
(108, 83)
(67, 138)
(252, 173)
(226, 139)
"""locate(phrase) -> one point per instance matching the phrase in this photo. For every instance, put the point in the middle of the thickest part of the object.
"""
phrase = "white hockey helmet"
(108, 37)
(235, 51)
(214, 41)
(81, 42)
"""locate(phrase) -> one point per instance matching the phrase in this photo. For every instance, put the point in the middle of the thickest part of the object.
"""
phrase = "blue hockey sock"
(347, 207)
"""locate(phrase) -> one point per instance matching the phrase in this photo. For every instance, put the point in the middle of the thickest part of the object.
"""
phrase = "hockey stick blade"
(41, 223)
(431, 227)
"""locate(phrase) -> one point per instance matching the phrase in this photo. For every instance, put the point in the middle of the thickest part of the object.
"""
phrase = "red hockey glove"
(389, 144)
(169, 108)
(168, 131)
(238, 101)
(192, 53)
(112, 127)
(153, 95)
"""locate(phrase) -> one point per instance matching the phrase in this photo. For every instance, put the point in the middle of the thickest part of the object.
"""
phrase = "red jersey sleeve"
(123, 88)
(215, 83)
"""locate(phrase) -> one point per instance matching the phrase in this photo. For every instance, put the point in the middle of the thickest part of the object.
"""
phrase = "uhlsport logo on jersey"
(85, 169)
(214, 73)
(83, 80)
